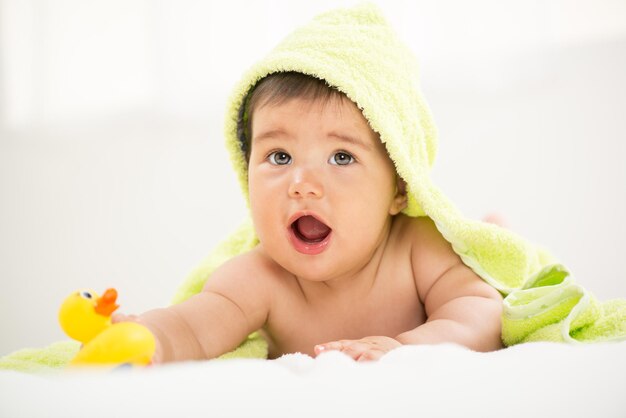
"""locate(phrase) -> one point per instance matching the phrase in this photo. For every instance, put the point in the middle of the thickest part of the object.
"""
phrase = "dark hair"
(276, 89)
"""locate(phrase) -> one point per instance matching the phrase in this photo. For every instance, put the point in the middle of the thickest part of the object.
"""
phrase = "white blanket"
(530, 380)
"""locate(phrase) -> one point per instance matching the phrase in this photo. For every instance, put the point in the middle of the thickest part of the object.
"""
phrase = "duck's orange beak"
(105, 304)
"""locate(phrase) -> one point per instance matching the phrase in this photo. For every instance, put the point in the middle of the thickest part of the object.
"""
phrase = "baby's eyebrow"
(273, 133)
(350, 139)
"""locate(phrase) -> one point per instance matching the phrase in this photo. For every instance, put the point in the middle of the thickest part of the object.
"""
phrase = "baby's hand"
(119, 317)
(365, 349)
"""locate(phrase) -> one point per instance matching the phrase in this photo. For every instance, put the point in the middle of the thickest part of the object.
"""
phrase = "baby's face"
(322, 187)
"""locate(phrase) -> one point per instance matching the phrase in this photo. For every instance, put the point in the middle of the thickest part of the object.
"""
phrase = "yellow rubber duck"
(86, 317)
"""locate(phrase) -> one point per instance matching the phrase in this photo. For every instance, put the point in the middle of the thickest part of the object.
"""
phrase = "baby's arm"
(460, 307)
(233, 303)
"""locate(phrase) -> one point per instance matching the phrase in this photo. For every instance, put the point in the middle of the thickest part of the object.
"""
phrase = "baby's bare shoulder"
(423, 236)
(250, 263)
(431, 255)
(248, 279)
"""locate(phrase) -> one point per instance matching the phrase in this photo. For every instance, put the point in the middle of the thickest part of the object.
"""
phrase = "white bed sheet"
(530, 380)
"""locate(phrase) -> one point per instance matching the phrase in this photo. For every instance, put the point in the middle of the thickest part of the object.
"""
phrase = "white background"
(113, 170)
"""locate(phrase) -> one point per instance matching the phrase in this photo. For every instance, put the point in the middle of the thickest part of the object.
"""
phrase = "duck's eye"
(86, 294)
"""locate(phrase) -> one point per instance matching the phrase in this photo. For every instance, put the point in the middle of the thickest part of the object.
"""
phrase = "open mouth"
(309, 229)
(309, 235)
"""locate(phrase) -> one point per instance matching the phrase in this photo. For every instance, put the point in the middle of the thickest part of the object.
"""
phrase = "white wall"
(113, 172)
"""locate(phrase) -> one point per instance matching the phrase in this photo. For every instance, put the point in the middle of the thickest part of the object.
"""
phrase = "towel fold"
(551, 307)
(357, 52)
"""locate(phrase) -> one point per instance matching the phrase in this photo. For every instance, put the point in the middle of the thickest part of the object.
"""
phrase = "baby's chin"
(328, 270)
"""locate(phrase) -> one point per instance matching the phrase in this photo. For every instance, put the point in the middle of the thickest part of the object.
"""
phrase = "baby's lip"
(302, 213)
(303, 245)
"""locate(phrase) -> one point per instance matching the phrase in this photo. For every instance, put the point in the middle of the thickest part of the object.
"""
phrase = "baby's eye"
(341, 158)
(279, 158)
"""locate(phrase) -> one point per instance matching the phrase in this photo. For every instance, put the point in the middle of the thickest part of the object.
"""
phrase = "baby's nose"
(305, 185)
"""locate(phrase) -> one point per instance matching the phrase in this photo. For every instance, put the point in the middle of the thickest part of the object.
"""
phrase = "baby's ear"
(400, 200)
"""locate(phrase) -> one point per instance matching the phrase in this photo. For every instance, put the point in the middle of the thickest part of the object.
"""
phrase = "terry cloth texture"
(357, 52)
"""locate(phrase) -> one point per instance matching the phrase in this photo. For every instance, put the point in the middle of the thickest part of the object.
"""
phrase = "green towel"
(356, 51)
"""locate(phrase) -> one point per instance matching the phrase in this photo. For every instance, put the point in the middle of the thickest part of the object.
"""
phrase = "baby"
(338, 266)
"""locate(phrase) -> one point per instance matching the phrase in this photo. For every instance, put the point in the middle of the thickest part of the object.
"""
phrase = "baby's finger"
(356, 349)
(370, 355)
(120, 317)
(333, 345)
